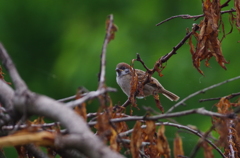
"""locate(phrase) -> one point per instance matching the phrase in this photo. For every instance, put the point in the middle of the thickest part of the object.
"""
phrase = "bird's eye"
(122, 68)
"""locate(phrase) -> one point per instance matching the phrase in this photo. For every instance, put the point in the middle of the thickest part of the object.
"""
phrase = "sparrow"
(124, 77)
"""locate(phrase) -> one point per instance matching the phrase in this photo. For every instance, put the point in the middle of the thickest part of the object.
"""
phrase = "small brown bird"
(124, 76)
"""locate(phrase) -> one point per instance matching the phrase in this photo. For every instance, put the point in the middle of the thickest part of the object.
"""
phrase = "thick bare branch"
(44, 106)
(6, 95)
(32, 103)
(79, 142)
(8, 64)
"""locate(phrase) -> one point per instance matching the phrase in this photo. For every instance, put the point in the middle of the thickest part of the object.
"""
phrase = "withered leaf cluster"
(208, 45)
(228, 129)
(158, 144)
(237, 7)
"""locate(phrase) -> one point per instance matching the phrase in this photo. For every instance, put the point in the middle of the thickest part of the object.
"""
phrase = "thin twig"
(45, 125)
(225, 4)
(197, 147)
(128, 142)
(200, 111)
(103, 54)
(127, 102)
(89, 96)
(167, 56)
(201, 91)
(162, 60)
(67, 98)
(228, 97)
(187, 16)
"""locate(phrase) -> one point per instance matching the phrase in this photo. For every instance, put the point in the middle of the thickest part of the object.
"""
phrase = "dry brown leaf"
(39, 120)
(134, 86)
(162, 143)
(26, 137)
(228, 129)
(237, 7)
(81, 109)
(113, 29)
(149, 135)
(136, 140)
(208, 150)
(158, 103)
(224, 106)
(51, 153)
(208, 44)
(159, 69)
(103, 126)
(149, 131)
(21, 151)
(109, 131)
(118, 128)
(178, 146)
(221, 124)
(113, 140)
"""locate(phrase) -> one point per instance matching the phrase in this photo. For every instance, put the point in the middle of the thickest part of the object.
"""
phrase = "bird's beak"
(118, 70)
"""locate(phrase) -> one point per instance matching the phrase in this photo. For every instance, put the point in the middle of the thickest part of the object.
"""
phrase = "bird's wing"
(142, 76)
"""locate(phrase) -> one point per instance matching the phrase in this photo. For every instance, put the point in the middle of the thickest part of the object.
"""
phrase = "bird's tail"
(171, 96)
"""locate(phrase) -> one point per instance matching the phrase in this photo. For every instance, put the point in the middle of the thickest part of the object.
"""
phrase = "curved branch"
(195, 17)
(8, 64)
(201, 91)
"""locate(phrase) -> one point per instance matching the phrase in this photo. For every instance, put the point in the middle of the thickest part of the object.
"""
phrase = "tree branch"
(8, 64)
(200, 111)
(104, 50)
(187, 16)
(89, 96)
(228, 97)
(90, 145)
(201, 91)
(37, 153)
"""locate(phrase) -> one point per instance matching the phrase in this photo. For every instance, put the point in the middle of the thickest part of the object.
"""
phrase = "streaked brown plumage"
(124, 77)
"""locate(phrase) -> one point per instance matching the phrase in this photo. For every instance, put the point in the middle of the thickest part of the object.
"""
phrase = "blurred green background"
(56, 47)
